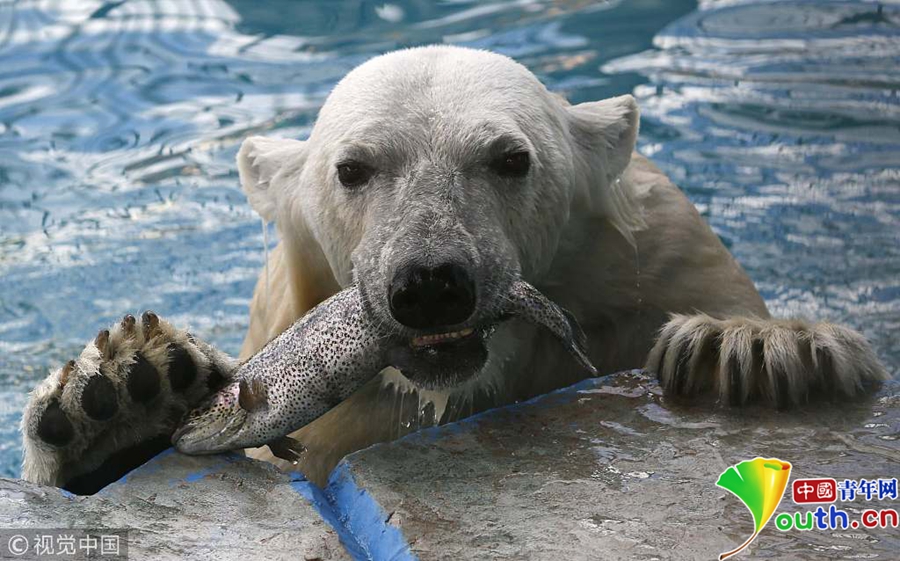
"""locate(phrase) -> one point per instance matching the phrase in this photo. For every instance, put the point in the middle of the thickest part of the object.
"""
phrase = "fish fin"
(579, 344)
(287, 448)
(252, 395)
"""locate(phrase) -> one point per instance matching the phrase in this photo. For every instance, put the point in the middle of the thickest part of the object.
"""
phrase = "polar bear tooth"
(425, 340)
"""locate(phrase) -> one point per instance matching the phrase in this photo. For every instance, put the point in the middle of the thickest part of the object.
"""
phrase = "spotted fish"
(321, 360)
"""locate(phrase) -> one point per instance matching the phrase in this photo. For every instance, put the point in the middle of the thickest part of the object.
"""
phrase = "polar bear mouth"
(442, 360)
(441, 338)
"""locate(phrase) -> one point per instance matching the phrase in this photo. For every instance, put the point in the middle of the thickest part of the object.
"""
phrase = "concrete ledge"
(181, 507)
(607, 470)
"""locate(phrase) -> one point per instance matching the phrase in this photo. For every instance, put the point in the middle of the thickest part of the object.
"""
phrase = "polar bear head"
(433, 177)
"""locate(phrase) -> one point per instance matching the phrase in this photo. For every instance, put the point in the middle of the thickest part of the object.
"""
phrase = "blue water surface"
(119, 123)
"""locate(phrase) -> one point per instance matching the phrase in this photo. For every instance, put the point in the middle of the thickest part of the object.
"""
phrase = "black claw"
(102, 341)
(150, 322)
(757, 370)
(143, 380)
(779, 390)
(99, 398)
(659, 365)
(128, 323)
(681, 369)
(66, 372)
(182, 370)
(55, 427)
(827, 373)
(733, 371)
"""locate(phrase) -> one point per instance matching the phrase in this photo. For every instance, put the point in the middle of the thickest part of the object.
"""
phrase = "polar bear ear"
(270, 171)
(605, 133)
(259, 160)
(609, 129)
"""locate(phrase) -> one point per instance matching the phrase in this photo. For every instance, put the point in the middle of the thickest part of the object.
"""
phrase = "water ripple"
(782, 122)
(119, 123)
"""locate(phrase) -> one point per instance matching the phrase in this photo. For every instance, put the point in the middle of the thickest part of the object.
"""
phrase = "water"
(119, 123)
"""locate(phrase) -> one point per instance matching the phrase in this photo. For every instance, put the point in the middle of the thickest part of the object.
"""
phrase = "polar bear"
(431, 175)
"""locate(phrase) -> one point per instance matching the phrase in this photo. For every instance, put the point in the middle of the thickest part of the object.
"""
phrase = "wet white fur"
(606, 236)
(615, 241)
(760, 358)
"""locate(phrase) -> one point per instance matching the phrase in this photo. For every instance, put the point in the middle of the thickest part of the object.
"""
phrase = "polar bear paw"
(782, 362)
(116, 405)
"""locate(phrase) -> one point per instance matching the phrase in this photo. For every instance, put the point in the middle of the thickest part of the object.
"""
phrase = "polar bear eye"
(512, 164)
(353, 174)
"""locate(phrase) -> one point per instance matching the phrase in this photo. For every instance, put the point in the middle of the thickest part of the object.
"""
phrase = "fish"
(322, 359)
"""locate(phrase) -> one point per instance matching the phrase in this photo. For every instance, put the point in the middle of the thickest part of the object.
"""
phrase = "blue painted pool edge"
(357, 518)
(365, 519)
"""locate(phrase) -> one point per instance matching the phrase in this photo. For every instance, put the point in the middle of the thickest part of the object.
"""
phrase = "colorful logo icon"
(759, 484)
(806, 491)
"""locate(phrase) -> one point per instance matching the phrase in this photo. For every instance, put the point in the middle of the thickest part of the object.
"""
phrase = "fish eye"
(353, 174)
(512, 164)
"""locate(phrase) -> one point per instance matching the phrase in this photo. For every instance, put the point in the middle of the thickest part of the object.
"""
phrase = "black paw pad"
(182, 370)
(143, 380)
(99, 398)
(54, 427)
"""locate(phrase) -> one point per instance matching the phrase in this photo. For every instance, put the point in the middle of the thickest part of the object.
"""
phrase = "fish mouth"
(213, 426)
(209, 438)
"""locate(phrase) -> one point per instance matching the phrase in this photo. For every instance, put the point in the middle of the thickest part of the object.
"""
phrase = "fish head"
(227, 420)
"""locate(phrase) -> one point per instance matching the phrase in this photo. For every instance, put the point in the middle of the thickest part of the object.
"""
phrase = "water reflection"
(782, 121)
(119, 123)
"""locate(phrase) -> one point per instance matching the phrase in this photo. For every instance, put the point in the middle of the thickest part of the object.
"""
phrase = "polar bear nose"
(427, 298)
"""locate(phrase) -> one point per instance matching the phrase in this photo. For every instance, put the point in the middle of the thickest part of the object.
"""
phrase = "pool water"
(119, 123)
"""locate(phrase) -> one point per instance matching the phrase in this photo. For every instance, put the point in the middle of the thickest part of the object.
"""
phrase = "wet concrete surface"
(182, 507)
(606, 469)
(609, 470)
